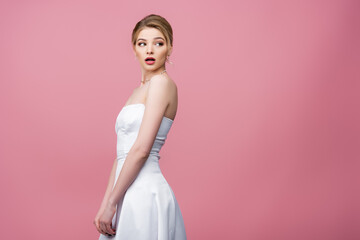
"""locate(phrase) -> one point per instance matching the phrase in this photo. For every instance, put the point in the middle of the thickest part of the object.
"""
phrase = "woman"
(139, 204)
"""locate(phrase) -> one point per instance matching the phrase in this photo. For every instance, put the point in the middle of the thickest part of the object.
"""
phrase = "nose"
(149, 49)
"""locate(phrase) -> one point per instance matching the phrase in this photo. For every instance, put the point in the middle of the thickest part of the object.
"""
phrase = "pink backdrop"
(266, 141)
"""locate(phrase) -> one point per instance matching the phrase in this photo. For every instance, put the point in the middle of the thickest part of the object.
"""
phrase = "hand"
(97, 220)
(105, 220)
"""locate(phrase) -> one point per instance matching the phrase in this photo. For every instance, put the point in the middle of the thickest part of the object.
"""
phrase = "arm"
(106, 196)
(156, 104)
(109, 186)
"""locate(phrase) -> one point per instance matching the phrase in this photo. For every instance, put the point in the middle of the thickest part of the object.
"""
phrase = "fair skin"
(159, 95)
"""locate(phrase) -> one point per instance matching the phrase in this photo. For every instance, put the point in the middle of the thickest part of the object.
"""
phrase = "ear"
(169, 51)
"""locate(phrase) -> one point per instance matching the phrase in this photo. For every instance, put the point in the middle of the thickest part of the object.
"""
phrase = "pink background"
(265, 144)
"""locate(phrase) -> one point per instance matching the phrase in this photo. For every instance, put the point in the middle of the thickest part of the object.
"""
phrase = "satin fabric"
(149, 209)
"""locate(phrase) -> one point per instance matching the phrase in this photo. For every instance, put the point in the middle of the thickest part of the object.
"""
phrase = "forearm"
(134, 162)
(110, 185)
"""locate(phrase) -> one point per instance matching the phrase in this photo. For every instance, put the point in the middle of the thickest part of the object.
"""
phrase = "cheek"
(164, 53)
(139, 50)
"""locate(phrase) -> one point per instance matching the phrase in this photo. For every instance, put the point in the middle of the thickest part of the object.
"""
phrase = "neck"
(148, 75)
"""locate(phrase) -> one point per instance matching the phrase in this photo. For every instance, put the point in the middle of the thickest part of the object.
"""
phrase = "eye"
(141, 43)
(160, 43)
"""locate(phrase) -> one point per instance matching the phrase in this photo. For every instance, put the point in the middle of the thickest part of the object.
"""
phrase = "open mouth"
(150, 60)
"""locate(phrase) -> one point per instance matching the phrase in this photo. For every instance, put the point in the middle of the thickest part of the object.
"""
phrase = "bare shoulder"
(163, 80)
(168, 87)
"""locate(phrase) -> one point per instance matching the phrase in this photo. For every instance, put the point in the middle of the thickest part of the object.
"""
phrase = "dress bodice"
(127, 127)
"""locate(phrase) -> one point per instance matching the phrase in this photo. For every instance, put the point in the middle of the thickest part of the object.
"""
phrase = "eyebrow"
(154, 38)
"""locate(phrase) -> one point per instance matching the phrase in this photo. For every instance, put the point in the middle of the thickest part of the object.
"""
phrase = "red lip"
(150, 61)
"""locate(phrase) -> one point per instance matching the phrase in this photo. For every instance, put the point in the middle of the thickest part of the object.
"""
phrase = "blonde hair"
(154, 21)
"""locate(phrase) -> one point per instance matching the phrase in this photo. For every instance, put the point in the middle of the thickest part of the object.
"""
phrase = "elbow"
(140, 153)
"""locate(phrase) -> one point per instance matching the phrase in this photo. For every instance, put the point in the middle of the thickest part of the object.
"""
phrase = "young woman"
(139, 204)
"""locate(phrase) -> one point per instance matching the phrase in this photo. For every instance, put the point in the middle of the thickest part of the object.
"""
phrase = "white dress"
(149, 210)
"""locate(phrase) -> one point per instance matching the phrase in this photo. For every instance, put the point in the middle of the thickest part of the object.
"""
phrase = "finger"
(96, 223)
(103, 228)
(96, 226)
(99, 228)
(109, 229)
(111, 226)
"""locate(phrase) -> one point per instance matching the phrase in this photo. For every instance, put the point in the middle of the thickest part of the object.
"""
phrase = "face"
(151, 43)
